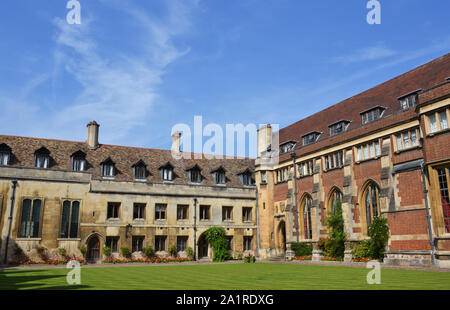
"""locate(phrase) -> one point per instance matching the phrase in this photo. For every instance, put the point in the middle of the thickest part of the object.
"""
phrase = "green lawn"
(258, 276)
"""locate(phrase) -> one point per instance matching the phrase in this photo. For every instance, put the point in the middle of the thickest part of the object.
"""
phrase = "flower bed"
(155, 260)
(362, 260)
(309, 257)
(48, 262)
(332, 259)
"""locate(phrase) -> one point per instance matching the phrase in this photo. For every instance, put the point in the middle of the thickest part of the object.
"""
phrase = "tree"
(216, 237)
(335, 245)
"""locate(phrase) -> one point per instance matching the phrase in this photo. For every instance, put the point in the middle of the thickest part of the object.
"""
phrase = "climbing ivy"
(216, 237)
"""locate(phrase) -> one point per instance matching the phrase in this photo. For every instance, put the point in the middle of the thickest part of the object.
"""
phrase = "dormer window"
(166, 172)
(287, 147)
(78, 161)
(219, 176)
(108, 168)
(246, 178)
(373, 114)
(409, 100)
(5, 154)
(194, 174)
(42, 158)
(339, 127)
(311, 138)
(140, 171)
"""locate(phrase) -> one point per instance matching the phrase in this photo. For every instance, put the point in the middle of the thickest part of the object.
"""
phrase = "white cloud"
(376, 52)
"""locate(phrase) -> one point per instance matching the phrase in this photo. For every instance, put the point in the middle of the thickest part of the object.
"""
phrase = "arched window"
(334, 198)
(307, 223)
(371, 202)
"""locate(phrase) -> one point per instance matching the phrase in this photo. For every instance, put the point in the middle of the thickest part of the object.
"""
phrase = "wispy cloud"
(118, 91)
(376, 52)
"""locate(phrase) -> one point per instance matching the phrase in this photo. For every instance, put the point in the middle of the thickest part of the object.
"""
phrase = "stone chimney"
(264, 138)
(176, 142)
(92, 135)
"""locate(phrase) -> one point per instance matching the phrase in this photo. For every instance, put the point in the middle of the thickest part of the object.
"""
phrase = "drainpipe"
(427, 207)
(11, 212)
(195, 229)
(257, 225)
(294, 156)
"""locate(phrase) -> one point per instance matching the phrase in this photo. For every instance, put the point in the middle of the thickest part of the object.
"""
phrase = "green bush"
(301, 249)
(83, 250)
(107, 251)
(335, 245)
(362, 250)
(216, 237)
(149, 252)
(173, 251)
(189, 252)
(125, 252)
(62, 252)
(379, 236)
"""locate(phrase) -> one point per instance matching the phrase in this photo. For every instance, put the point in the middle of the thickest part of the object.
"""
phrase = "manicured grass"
(258, 276)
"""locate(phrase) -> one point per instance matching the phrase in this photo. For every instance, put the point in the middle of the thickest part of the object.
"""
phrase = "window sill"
(366, 160)
(140, 180)
(228, 221)
(305, 176)
(432, 134)
(68, 239)
(335, 168)
(28, 239)
(168, 181)
(108, 178)
(221, 184)
(408, 149)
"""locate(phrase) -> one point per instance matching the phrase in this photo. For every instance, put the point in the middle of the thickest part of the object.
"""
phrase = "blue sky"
(140, 67)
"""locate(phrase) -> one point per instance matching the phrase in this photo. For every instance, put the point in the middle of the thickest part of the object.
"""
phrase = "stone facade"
(58, 184)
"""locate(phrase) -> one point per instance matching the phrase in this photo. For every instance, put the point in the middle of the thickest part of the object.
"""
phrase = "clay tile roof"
(385, 95)
(23, 149)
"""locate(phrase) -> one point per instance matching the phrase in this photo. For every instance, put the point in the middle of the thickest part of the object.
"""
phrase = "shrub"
(173, 251)
(149, 252)
(62, 252)
(362, 250)
(216, 237)
(83, 250)
(239, 257)
(18, 252)
(335, 245)
(107, 251)
(41, 251)
(322, 243)
(249, 259)
(301, 249)
(125, 252)
(379, 236)
(190, 252)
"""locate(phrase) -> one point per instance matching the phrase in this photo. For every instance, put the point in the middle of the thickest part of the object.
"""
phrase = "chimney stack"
(176, 142)
(264, 138)
(92, 135)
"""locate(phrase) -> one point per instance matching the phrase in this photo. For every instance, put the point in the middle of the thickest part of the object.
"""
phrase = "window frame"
(247, 216)
(227, 213)
(70, 222)
(137, 243)
(207, 213)
(437, 115)
(247, 243)
(30, 219)
(116, 206)
(185, 240)
(401, 136)
(160, 209)
(185, 213)
(141, 208)
(113, 243)
(158, 239)
(361, 150)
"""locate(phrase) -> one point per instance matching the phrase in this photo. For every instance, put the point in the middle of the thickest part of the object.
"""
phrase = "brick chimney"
(176, 142)
(92, 135)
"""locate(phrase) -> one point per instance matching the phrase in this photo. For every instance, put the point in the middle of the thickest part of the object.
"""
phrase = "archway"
(93, 249)
(203, 247)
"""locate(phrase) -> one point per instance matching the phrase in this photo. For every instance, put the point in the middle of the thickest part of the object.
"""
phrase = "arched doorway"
(93, 249)
(203, 247)
(281, 238)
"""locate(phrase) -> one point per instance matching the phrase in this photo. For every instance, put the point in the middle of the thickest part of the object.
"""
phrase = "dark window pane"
(74, 220)
(65, 219)
(35, 218)
(25, 219)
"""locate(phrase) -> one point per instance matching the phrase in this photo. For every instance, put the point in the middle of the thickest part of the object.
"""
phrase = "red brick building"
(384, 152)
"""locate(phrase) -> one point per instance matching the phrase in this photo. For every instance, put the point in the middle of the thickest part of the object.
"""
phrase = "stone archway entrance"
(93, 249)
(203, 247)
(281, 238)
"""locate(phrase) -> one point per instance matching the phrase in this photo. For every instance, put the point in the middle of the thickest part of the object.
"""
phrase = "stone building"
(63, 194)
(385, 152)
